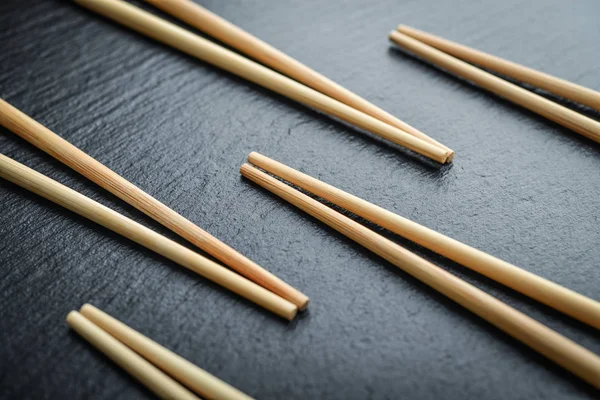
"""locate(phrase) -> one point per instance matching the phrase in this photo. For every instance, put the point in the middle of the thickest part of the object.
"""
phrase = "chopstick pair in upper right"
(196, 46)
(448, 55)
(539, 337)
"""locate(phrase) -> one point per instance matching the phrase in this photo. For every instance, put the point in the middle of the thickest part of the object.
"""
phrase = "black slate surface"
(521, 188)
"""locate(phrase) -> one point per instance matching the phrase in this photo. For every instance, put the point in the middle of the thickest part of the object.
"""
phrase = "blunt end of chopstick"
(403, 28)
(71, 317)
(87, 308)
(392, 34)
(449, 156)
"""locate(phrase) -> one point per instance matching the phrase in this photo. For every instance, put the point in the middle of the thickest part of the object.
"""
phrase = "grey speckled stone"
(521, 188)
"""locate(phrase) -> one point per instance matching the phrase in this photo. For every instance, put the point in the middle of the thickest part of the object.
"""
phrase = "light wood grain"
(46, 140)
(88, 208)
(554, 346)
(195, 378)
(150, 376)
(533, 102)
(569, 302)
(560, 87)
(230, 34)
(216, 55)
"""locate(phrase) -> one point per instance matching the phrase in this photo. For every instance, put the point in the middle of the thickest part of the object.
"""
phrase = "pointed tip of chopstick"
(86, 307)
(73, 314)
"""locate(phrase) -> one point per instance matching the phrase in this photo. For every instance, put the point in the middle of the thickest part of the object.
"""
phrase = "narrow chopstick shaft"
(203, 49)
(46, 140)
(194, 377)
(150, 376)
(551, 344)
(561, 87)
(567, 301)
(88, 208)
(230, 34)
(533, 102)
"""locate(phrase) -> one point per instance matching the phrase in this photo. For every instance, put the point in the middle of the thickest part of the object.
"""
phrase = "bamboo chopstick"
(46, 140)
(150, 376)
(88, 208)
(207, 51)
(230, 34)
(192, 376)
(569, 302)
(551, 344)
(561, 87)
(544, 107)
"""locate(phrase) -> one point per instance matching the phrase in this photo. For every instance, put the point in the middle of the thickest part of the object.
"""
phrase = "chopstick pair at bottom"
(88, 208)
(146, 360)
(539, 337)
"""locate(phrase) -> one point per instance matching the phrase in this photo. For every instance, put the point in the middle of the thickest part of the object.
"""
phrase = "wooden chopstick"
(544, 107)
(88, 208)
(551, 344)
(230, 34)
(207, 51)
(46, 140)
(150, 376)
(569, 302)
(192, 376)
(552, 84)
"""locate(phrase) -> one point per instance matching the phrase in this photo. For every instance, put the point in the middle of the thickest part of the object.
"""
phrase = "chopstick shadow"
(102, 361)
(503, 293)
(341, 127)
(413, 59)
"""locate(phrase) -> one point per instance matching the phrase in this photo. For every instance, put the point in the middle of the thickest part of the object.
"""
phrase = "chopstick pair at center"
(196, 46)
(551, 344)
(156, 367)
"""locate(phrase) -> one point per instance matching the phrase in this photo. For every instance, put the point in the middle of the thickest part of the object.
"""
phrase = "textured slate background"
(521, 188)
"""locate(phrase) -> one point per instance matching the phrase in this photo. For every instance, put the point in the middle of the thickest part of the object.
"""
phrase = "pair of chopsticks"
(551, 344)
(448, 55)
(261, 286)
(314, 91)
(158, 368)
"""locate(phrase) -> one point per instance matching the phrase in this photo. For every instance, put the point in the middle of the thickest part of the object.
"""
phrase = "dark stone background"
(521, 188)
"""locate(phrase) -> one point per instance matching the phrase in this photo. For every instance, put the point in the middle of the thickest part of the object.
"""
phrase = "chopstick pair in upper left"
(46, 140)
(196, 46)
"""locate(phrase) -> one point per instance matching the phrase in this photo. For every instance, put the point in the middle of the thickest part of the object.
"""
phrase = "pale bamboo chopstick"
(561, 87)
(230, 34)
(539, 337)
(207, 51)
(569, 302)
(544, 107)
(88, 208)
(46, 140)
(192, 376)
(150, 376)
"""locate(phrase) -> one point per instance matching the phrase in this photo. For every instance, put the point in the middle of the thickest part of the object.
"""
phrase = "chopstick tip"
(253, 154)
(304, 305)
(71, 316)
(87, 307)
